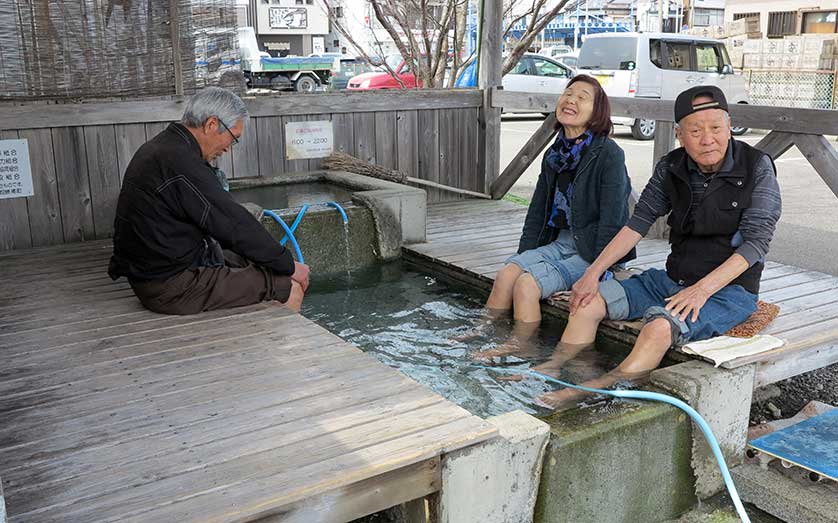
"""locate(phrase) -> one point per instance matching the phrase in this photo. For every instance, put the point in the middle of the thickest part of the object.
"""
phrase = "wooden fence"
(79, 152)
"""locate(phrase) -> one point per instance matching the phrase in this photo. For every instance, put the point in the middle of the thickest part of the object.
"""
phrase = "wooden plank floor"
(109, 412)
(474, 238)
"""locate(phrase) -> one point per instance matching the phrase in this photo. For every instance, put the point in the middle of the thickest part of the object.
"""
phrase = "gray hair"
(214, 101)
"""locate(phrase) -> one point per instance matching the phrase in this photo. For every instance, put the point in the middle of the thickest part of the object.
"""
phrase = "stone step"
(787, 494)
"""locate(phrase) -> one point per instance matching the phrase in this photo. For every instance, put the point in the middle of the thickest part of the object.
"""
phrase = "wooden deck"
(472, 239)
(109, 412)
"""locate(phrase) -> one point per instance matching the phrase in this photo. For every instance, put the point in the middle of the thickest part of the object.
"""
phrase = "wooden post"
(664, 139)
(776, 143)
(822, 155)
(174, 27)
(664, 142)
(489, 76)
(832, 104)
(525, 157)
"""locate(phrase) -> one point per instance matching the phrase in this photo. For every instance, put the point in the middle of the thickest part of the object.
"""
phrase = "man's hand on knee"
(688, 301)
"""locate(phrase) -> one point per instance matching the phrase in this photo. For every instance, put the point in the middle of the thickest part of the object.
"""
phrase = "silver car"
(538, 74)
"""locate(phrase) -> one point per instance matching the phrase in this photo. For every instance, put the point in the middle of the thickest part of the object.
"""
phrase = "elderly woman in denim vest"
(580, 203)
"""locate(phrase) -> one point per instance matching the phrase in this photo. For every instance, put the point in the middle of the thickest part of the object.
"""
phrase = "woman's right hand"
(584, 290)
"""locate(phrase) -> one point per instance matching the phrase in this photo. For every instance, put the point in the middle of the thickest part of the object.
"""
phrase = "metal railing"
(803, 89)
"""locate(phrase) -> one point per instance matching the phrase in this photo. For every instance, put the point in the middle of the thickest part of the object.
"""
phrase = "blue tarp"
(468, 76)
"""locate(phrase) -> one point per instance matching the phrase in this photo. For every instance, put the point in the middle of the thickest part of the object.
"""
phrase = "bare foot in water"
(563, 353)
(568, 397)
(507, 349)
(485, 326)
(519, 344)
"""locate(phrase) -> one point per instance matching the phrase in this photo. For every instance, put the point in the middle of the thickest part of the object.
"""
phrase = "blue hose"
(289, 233)
(294, 225)
(340, 210)
(654, 396)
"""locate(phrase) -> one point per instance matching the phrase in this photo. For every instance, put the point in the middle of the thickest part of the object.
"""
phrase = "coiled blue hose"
(289, 234)
(653, 396)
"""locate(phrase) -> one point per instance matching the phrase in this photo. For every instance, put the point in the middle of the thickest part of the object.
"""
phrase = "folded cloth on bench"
(722, 349)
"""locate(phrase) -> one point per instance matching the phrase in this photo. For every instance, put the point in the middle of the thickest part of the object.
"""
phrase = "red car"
(383, 79)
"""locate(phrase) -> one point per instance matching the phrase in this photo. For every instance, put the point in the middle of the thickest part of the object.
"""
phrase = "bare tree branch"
(536, 25)
(361, 51)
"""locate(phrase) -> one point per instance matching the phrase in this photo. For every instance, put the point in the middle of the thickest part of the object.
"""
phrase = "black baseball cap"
(684, 105)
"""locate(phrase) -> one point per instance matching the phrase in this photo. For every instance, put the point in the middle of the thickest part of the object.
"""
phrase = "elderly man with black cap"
(723, 203)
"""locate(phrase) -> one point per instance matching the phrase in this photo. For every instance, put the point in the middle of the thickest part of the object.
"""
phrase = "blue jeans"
(643, 295)
(554, 267)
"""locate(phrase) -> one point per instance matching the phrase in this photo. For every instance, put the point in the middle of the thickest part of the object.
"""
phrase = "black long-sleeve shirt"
(170, 205)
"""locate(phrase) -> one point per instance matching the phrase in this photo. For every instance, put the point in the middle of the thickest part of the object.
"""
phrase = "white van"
(658, 65)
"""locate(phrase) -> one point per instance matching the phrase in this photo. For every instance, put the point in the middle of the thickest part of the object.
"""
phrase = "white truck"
(304, 74)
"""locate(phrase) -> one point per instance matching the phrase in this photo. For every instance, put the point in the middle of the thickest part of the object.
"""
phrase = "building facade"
(286, 27)
(779, 18)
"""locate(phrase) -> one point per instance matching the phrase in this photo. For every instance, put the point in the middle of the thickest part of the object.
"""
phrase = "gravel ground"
(785, 398)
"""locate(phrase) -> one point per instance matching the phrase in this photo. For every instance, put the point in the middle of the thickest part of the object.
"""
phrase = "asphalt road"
(807, 234)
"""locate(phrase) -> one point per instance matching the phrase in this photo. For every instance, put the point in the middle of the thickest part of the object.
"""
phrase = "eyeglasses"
(235, 140)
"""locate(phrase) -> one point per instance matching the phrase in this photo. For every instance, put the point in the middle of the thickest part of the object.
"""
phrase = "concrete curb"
(786, 498)
(723, 398)
(496, 481)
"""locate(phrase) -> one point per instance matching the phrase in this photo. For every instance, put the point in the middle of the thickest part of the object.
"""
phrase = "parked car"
(383, 79)
(658, 65)
(568, 59)
(350, 67)
(537, 74)
(556, 51)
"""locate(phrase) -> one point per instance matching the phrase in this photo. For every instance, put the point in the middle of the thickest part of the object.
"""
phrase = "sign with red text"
(15, 171)
(305, 140)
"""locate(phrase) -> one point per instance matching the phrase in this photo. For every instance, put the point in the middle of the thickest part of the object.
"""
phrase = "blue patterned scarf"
(563, 156)
(565, 153)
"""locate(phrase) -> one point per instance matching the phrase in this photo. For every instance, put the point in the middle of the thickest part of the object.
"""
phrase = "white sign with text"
(15, 170)
(304, 140)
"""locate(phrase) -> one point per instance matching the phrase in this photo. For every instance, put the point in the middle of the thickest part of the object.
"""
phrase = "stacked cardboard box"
(744, 26)
(712, 31)
(792, 53)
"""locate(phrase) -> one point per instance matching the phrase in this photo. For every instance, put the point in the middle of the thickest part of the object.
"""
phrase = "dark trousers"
(239, 282)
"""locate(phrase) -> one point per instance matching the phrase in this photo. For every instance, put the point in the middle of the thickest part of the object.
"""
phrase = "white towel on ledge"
(726, 348)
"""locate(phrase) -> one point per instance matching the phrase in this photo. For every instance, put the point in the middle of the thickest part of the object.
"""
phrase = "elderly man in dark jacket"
(173, 219)
(723, 203)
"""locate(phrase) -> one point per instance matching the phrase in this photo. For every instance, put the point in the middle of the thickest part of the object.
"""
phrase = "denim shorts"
(643, 295)
(555, 266)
